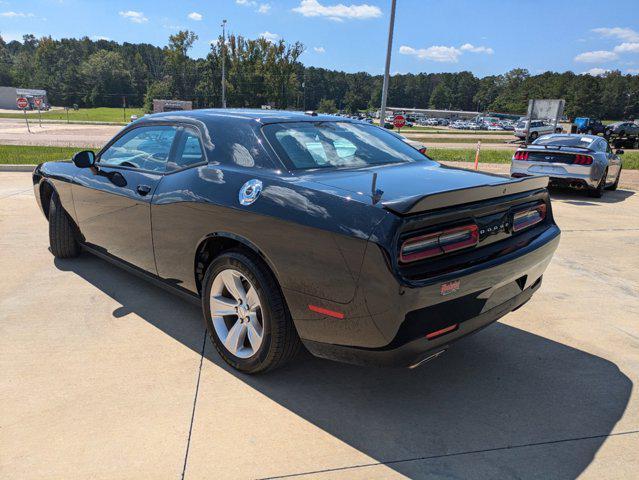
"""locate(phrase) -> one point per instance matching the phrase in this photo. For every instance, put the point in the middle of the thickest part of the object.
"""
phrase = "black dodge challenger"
(297, 228)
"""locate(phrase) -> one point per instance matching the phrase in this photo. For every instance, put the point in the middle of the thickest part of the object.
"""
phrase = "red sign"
(22, 103)
(38, 102)
(399, 121)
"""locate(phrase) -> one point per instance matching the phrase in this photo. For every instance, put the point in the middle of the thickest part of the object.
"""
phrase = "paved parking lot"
(105, 376)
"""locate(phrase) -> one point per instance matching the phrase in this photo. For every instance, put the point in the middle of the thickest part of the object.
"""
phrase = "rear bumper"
(586, 177)
(418, 351)
(398, 319)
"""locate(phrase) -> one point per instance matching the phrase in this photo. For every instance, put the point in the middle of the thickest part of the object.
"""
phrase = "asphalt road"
(106, 376)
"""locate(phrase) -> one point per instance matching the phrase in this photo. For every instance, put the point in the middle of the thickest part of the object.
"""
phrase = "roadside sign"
(399, 121)
(22, 104)
(38, 102)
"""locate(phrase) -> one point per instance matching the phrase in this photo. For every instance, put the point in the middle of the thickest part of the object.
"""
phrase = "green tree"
(441, 97)
(106, 79)
(327, 106)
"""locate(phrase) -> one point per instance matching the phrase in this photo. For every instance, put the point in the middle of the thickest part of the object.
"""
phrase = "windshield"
(575, 141)
(305, 145)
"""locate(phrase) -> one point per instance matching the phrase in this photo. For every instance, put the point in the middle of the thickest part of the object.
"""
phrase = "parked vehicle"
(577, 161)
(295, 228)
(622, 129)
(537, 129)
(589, 126)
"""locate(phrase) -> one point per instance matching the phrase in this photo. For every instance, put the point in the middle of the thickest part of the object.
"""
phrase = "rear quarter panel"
(313, 241)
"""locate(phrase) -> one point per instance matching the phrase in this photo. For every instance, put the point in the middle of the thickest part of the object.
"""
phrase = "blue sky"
(486, 37)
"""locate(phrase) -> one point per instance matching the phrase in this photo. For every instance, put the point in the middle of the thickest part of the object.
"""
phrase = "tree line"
(94, 73)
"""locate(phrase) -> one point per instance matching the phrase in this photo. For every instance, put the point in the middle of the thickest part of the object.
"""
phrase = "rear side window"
(188, 151)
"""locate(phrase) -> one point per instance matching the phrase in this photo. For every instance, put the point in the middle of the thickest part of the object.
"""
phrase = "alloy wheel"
(236, 313)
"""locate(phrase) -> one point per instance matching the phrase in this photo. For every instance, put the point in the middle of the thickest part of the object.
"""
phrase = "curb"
(17, 168)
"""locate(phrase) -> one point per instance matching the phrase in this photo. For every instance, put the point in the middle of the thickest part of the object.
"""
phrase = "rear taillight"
(520, 155)
(582, 160)
(435, 244)
(529, 217)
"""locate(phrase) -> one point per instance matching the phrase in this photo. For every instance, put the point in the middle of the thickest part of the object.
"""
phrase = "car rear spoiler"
(416, 204)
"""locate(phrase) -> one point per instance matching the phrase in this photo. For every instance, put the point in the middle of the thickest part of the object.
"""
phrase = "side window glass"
(146, 148)
(188, 151)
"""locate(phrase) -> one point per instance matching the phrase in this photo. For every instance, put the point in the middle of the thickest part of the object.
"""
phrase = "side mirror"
(84, 159)
(619, 152)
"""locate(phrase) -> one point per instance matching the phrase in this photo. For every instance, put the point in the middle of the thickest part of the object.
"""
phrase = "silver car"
(577, 161)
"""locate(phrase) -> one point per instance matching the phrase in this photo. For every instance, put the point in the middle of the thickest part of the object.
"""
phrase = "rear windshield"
(306, 145)
(565, 141)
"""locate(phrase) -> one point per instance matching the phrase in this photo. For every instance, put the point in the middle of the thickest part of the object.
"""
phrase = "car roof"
(215, 115)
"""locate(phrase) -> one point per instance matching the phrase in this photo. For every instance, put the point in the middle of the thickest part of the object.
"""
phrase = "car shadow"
(579, 197)
(472, 413)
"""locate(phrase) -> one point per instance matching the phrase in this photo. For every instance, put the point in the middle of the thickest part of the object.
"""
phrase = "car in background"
(294, 228)
(421, 147)
(495, 128)
(537, 129)
(590, 126)
(622, 129)
(509, 126)
(585, 162)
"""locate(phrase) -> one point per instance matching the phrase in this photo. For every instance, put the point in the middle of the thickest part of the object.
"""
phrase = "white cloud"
(633, 70)
(596, 56)
(319, 49)
(339, 12)
(469, 47)
(261, 7)
(627, 47)
(16, 15)
(271, 37)
(626, 34)
(596, 71)
(436, 53)
(195, 16)
(133, 16)
(100, 37)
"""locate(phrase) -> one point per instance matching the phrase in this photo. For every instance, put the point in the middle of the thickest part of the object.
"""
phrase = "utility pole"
(389, 49)
(223, 63)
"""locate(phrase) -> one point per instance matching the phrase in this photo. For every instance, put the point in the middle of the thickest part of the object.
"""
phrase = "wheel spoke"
(254, 332)
(233, 284)
(235, 339)
(221, 306)
(252, 300)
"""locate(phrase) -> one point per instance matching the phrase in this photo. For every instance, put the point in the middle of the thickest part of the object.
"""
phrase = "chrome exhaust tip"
(427, 359)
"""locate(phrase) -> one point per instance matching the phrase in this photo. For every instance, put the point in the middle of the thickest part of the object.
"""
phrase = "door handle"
(143, 189)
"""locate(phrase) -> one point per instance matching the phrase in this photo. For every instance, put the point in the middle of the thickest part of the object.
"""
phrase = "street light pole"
(389, 49)
(223, 50)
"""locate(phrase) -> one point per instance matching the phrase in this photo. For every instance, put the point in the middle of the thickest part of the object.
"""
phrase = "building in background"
(9, 95)
(171, 105)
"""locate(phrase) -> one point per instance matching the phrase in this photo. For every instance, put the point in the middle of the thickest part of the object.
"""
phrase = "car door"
(112, 201)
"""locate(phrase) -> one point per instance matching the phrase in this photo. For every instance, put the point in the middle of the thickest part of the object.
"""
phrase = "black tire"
(616, 184)
(281, 342)
(601, 186)
(62, 235)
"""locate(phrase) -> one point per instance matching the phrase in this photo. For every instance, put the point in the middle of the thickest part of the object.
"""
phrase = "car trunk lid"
(416, 187)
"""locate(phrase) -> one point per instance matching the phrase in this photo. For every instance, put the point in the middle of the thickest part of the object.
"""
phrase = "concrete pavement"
(106, 376)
